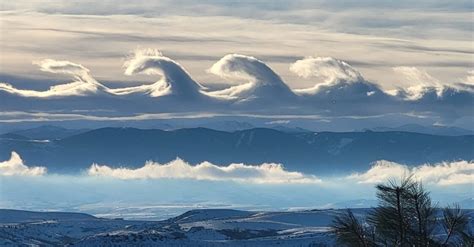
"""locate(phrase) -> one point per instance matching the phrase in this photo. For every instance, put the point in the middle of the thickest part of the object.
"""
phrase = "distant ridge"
(433, 130)
(315, 152)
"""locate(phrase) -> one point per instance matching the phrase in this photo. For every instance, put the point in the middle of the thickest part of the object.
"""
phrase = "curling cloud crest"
(233, 66)
(425, 87)
(328, 68)
(84, 83)
(15, 167)
(443, 174)
(420, 82)
(261, 174)
(175, 80)
(343, 90)
(262, 80)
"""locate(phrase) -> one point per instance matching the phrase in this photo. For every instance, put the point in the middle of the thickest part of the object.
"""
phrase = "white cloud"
(416, 76)
(421, 84)
(278, 122)
(262, 80)
(419, 81)
(84, 84)
(265, 173)
(445, 173)
(469, 78)
(175, 80)
(344, 91)
(328, 68)
(249, 68)
(15, 167)
(62, 67)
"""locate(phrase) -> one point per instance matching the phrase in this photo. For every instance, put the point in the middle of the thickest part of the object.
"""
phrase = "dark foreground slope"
(308, 151)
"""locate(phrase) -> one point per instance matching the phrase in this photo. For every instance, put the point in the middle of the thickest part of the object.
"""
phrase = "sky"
(372, 36)
(330, 65)
(321, 59)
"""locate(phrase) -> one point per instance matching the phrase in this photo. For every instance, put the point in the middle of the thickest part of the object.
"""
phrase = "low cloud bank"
(443, 174)
(265, 173)
(15, 167)
(440, 174)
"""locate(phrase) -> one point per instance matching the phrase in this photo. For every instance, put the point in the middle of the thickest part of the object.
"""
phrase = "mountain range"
(313, 152)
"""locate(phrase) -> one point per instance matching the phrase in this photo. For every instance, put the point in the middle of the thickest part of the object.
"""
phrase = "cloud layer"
(443, 174)
(261, 174)
(440, 174)
(15, 167)
(339, 90)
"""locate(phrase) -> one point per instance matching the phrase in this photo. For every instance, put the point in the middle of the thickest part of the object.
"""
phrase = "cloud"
(238, 66)
(262, 80)
(84, 83)
(469, 78)
(424, 87)
(265, 173)
(419, 81)
(416, 76)
(62, 67)
(15, 167)
(278, 122)
(443, 174)
(328, 68)
(341, 82)
(175, 80)
(343, 91)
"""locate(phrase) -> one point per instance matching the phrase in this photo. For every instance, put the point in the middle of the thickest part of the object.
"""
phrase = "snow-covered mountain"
(210, 227)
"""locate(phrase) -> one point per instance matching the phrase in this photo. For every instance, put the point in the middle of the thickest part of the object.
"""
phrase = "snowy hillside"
(206, 227)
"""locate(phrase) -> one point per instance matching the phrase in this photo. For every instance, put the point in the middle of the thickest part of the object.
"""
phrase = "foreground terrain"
(207, 227)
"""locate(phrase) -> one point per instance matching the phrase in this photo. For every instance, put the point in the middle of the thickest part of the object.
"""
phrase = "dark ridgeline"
(322, 152)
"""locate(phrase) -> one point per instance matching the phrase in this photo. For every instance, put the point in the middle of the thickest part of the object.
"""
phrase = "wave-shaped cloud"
(262, 80)
(341, 91)
(424, 87)
(328, 68)
(175, 80)
(83, 83)
(15, 167)
(421, 82)
(445, 173)
(261, 174)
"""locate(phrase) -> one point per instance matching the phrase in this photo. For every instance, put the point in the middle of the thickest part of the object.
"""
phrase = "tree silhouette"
(405, 217)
